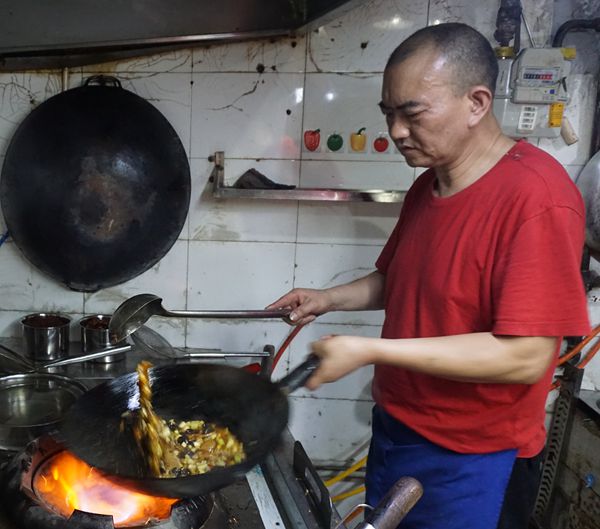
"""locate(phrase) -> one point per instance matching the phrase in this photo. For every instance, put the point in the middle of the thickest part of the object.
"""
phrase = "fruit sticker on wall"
(358, 140)
(335, 142)
(381, 144)
(312, 139)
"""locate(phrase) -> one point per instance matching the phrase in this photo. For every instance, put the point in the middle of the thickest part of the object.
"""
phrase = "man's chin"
(413, 159)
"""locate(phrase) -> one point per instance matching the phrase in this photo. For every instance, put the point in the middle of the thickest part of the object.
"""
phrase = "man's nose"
(398, 129)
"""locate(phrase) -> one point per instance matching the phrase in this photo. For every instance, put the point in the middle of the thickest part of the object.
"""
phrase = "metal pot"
(33, 404)
(45, 336)
(95, 337)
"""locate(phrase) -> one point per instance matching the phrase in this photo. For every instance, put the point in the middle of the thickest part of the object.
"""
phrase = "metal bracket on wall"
(555, 445)
(220, 190)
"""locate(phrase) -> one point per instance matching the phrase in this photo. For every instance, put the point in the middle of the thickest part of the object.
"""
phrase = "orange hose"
(255, 367)
(286, 343)
(591, 353)
(554, 385)
(578, 348)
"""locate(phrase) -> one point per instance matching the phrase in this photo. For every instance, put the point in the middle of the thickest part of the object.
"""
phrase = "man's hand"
(306, 304)
(340, 355)
(365, 293)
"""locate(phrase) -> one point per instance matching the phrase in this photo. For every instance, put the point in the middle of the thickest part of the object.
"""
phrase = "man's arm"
(477, 357)
(365, 293)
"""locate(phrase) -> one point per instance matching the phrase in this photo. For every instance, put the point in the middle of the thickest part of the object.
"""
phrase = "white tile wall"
(247, 115)
(19, 94)
(254, 100)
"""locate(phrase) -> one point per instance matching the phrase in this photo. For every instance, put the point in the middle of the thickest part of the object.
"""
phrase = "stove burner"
(22, 493)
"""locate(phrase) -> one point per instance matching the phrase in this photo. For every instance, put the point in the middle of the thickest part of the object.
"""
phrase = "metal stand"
(555, 445)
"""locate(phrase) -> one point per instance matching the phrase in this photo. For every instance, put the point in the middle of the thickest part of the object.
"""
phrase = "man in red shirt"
(479, 281)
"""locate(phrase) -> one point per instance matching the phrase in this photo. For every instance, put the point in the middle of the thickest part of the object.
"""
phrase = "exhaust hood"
(65, 33)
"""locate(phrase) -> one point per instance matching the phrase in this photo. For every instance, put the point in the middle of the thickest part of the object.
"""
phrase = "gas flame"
(66, 483)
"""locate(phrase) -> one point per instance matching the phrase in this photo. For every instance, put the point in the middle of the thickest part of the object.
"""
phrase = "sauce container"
(45, 336)
(95, 337)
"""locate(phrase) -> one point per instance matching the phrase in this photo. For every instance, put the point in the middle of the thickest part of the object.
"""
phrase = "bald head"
(466, 52)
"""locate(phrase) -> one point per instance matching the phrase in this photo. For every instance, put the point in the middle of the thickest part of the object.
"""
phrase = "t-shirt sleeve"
(537, 285)
(386, 255)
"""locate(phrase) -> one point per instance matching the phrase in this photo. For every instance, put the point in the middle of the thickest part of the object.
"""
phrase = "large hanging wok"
(253, 408)
(95, 186)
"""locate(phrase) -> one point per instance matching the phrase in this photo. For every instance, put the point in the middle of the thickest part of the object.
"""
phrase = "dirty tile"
(214, 219)
(247, 115)
(539, 17)
(362, 39)
(166, 279)
(20, 93)
(238, 275)
(24, 287)
(175, 61)
(279, 54)
(330, 429)
(354, 386)
(327, 265)
(481, 15)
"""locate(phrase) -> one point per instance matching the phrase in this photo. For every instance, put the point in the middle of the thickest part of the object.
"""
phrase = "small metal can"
(45, 336)
(95, 337)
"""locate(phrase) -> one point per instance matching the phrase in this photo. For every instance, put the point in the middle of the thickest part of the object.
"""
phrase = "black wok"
(253, 408)
(95, 186)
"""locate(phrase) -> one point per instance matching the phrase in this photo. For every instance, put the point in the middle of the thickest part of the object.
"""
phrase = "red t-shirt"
(501, 256)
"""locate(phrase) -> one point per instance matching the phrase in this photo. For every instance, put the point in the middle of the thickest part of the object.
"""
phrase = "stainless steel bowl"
(45, 336)
(33, 404)
(95, 337)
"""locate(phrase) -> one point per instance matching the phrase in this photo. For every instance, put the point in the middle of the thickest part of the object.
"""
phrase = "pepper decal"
(381, 144)
(335, 142)
(312, 138)
(358, 140)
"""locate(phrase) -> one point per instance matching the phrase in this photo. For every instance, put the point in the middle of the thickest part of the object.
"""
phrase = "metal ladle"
(136, 311)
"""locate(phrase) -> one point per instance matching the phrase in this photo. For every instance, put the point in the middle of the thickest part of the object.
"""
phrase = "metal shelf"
(220, 190)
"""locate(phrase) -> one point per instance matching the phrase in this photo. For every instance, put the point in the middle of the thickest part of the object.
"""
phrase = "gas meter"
(531, 92)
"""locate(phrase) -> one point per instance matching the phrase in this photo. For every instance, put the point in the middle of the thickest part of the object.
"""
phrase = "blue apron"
(461, 491)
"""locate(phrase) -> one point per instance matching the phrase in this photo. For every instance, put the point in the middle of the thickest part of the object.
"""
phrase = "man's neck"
(476, 159)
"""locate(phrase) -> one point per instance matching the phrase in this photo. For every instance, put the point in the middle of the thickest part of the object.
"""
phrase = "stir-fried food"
(180, 448)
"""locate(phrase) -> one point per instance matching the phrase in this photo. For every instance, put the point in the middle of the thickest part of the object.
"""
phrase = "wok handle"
(299, 375)
(394, 506)
(102, 80)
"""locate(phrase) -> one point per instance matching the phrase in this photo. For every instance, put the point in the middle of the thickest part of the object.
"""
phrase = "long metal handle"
(89, 356)
(228, 314)
(215, 353)
(394, 506)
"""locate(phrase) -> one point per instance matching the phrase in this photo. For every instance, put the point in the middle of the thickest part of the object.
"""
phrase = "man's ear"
(480, 101)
